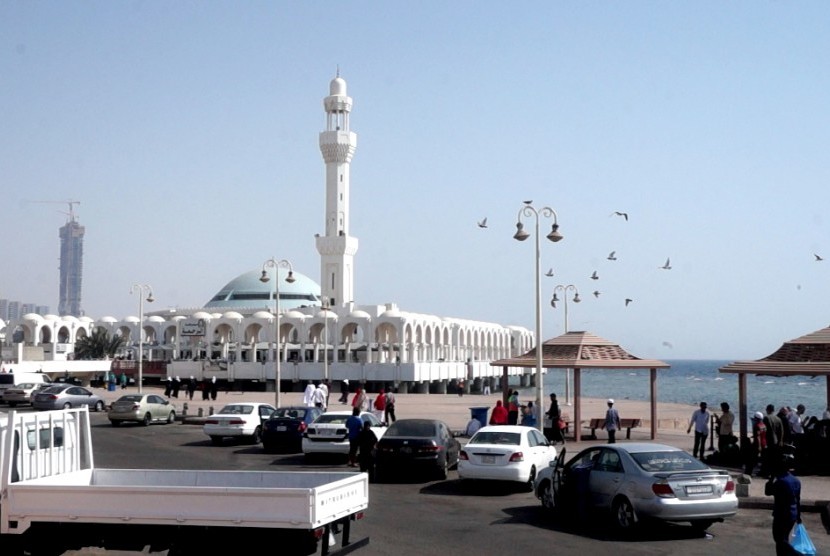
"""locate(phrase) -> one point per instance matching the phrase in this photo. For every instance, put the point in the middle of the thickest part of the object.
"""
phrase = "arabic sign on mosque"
(193, 327)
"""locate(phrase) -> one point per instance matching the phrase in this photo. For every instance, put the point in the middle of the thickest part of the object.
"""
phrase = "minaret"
(337, 248)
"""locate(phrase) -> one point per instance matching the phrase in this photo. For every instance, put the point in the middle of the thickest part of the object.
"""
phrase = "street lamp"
(553, 301)
(521, 234)
(275, 264)
(141, 288)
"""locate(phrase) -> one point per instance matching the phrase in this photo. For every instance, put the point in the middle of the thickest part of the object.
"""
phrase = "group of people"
(316, 395)
(209, 388)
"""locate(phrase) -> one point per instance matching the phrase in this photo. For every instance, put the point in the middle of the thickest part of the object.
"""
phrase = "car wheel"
(216, 440)
(115, 423)
(531, 479)
(171, 418)
(67, 405)
(256, 438)
(624, 517)
(443, 470)
(147, 419)
(702, 524)
(99, 406)
(546, 496)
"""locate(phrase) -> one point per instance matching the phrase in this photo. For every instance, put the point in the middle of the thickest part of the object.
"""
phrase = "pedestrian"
(486, 386)
(725, 436)
(460, 387)
(552, 430)
(168, 387)
(319, 397)
(359, 399)
(204, 386)
(759, 443)
(367, 440)
(389, 416)
(324, 385)
(785, 488)
(380, 405)
(529, 415)
(191, 387)
(177, 384)
(513, 407)
(700, 422)
(499, 415)
(775, 441)
(123, 381)
(354, 424)
(214, 388)
(344, 391)
(612, 422)
(308, 395)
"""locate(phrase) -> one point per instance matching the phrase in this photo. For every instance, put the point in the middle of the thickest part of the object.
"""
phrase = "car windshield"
(411, 428)
(291, 413)
(237, 409)
(668, 461)
(130, 398)
(330, 419)
(496, 437)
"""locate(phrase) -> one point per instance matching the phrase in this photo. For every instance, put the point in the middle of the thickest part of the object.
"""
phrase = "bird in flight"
(627, 301)
(612, 256)
(668, 344)
(483, 223)
(594, 276)
(818, 258)
(528, 202)
(549, 272)
(596, 293)
(666, 266)
(623, 214)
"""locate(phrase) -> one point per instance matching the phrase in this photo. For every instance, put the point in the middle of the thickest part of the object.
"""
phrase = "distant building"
(4, 309)
(71, 267)
(14, 310)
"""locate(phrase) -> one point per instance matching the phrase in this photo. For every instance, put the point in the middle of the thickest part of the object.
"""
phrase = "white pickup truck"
(53, 499)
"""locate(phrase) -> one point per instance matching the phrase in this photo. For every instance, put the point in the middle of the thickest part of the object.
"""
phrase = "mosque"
(316, 330)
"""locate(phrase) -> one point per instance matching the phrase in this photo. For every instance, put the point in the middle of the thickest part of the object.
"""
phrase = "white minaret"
(337, 248)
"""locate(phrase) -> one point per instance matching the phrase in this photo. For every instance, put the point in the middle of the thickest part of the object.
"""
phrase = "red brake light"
(236, 422)
(663, 490)
(517, 456)
(463, 455)
(429, 449)
(212, 421)
(302, 427)
(730, 486)
(136, 406)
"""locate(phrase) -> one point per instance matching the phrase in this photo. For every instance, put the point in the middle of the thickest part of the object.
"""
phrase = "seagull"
(668, 344)
(666, 266)
(596, 293)
(483, 223)
(818, 258)
(528, 202)
(594, 276)
(549, 272)
(611, 256)
(623, 214)
(627, 301)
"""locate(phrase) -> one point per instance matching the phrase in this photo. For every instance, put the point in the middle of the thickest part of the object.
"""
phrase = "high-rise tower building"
(72, 265)
(337, 248)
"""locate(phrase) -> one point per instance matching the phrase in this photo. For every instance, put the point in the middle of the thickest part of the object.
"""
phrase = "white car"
(506, 453)
(238, 420)
(22, 393)
(327, 434)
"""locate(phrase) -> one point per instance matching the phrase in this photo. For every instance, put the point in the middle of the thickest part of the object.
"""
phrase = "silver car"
(64, 396)
(637, 481)
(141, 408)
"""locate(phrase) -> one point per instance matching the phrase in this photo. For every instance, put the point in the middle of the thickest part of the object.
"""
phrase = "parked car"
(327, 434)
(242, 420)
(65, 396)
(141, 408)
(284, 429)
(9, 380)
(637, 481)
(506, 453)
(22, 393)
(416, 444)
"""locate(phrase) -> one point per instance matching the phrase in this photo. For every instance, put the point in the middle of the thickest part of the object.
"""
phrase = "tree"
(98, 345)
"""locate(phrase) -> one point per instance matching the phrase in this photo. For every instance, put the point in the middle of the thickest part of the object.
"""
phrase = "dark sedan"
(417, 444)
(283, 431)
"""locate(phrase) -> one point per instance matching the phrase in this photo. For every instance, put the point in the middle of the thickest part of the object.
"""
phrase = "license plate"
(406, 450)
(281, 428)
(699, 489)
(488, 459)
(329, 432)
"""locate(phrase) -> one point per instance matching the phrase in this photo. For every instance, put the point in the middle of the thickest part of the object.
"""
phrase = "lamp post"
(521, 234)
(276, 265)
(553, 301)
(141, 288)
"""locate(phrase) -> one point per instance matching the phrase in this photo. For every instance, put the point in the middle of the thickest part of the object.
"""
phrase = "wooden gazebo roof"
(582, 350)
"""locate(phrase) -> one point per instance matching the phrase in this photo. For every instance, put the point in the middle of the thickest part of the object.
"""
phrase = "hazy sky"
(188, 132)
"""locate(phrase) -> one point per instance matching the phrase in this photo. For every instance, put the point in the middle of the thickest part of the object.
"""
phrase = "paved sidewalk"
(455, 411)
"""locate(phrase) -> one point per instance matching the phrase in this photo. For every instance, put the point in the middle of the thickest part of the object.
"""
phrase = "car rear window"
(238, 409)
(655, 462)
(327, 418)
(496, 437)
(416, 428)
(290, 413)
(130, 398)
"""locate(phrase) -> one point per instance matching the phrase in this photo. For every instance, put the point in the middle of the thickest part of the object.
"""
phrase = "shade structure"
(579, 350)
(808, 355)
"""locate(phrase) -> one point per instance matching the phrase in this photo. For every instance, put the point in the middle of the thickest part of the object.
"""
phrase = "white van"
(8, 380)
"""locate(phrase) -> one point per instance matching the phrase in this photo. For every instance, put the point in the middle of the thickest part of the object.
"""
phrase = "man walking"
(389, 414)
(700, 421)
(775, 441)
(344, 391)
(612, 422)
(785, 489)
(513, 408)
(354, 425)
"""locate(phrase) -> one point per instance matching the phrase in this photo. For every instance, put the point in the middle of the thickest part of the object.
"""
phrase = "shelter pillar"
(422, 387)
(742, 408)
(524, 380)
(441, 386)
(577, 405)
(653, 394)
(403, 387)
(477, 385)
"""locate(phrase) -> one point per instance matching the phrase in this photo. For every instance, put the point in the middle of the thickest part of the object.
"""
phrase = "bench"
(626, 424)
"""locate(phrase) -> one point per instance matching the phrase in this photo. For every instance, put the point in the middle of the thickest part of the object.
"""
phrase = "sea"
(693, 381)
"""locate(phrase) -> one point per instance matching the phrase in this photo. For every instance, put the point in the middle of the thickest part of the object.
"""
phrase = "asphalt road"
(426, 517)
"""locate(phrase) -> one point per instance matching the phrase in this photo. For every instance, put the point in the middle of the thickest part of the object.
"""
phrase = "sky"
(188, 134)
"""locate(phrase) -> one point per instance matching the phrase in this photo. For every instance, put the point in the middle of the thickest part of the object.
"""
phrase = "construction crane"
(71, 203)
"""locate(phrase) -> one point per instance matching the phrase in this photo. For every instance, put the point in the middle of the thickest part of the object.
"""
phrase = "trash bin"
(479, 414)
(111, 387)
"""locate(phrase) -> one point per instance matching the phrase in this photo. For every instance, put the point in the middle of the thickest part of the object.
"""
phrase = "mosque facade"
(322, 332)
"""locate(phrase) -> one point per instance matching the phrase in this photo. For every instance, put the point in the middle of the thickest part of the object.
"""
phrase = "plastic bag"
(800, 540)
